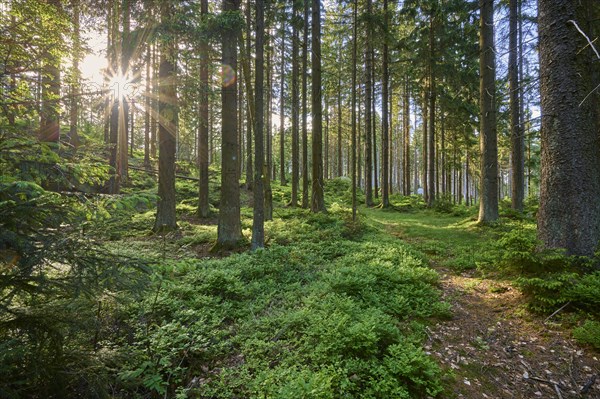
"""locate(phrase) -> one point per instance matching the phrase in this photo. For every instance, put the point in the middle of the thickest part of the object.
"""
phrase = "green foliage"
(323, 316)
(52, 284)
(408, 203)
(444, 204)
(586, 292)
(588, 333)
(547, 292)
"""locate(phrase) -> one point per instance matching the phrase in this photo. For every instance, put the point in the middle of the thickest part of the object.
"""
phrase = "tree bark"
(75, 84)
(488, 205)
(295, 103)
(282, 108)
(148, 110)
(425, 145)
(339, 166)
(229, 232)
(247, 66)
(167, 130)
(50, 107)
(354, 66)
(385, 132)
(569, 214)
(260, 172)
(317, 200)
(517, 138)
(368, 124)
(305, 176)
(406, 119)
(203, 187)
(269, 139)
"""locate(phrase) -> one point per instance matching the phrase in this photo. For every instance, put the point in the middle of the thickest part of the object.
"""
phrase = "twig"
(586, 38)
(556, 312)
(557, 389)
(588, 385)
(595, 51)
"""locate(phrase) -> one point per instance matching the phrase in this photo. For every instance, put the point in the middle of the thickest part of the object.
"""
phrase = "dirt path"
(495, 349)
(492, 347)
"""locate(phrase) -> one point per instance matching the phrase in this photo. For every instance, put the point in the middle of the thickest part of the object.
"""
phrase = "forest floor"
(493, 346)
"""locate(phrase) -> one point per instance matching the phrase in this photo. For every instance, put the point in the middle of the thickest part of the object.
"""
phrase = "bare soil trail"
(492, 346)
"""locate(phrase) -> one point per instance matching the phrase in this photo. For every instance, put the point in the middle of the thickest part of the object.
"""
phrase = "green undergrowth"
(504, 252)
(332, 308)
(329, 310)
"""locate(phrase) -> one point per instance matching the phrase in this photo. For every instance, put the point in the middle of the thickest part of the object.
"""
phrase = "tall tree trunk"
(359, 139)
(203, 187)
(517, 139)
(75, 84)
(126, 51)
(154, 103)
(318, 200)
(431, 152)
(167, 130)
(445, 169)
(354, 66)
(148, 111)
(327, 174)
(488, 205)
(114, 182)
(374, 130)
(50, 107)
(282, 109)
(270, 170)
(339, 168)
(368, 100)
(425, 145)
(406, 119)
(260, 172)
(305, 176)
(385, 133)
(229, 232)
(240, 118)
(392, 142)
(250, 124)
(295, 103)
(132, 128)
(569, 214)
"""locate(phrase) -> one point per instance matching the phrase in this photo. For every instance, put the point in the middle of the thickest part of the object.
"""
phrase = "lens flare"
(227, 75)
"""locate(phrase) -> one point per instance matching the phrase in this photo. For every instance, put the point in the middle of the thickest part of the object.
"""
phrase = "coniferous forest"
(299, 199)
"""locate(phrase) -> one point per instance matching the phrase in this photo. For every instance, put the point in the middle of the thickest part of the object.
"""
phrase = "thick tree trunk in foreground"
(488, 205)
(229, 231)
(167, 132)
(569, 214)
